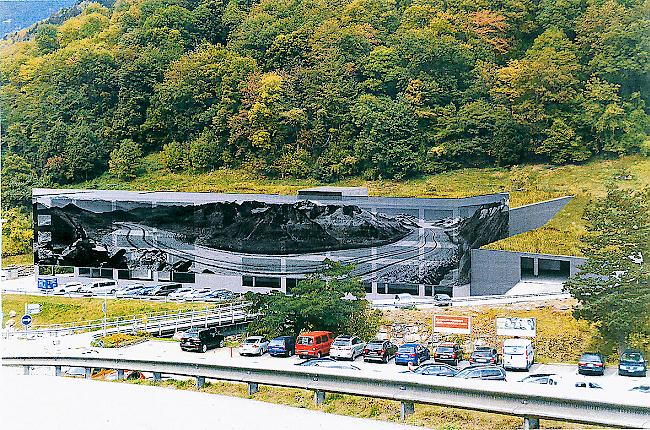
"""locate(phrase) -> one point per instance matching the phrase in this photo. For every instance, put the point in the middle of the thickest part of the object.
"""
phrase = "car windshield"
(276, 342)
(632, 356)
(192, 334)
(252, 340)
(482, 353)
(590, 357)
(445, 349)
(375, 345)
(514, 350)
(342, 342)
(407, 348)
(303, 340)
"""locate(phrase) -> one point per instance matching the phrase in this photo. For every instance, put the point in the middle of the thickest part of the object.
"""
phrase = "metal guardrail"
(532, 402)
(430, 301)
(152, 322)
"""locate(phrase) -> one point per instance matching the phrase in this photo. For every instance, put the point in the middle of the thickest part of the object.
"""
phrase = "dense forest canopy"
(324, 88)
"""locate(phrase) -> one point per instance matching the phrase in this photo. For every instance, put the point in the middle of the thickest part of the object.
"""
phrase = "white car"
(198, 294)
(349, 347)
(254, 345)
(99, 288)
(181, 294)
(128, 290)
(68, 287)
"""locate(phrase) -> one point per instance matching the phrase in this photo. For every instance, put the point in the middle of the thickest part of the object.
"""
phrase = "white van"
(518, 354)
(99, 287)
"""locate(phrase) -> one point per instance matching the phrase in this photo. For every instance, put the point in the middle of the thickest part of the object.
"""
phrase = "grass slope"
(56, 310)
(526, 184)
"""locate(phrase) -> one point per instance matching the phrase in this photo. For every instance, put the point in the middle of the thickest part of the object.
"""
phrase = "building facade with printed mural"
(260, 242)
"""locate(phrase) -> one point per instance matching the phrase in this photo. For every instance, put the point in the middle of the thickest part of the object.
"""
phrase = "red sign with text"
(452, 324)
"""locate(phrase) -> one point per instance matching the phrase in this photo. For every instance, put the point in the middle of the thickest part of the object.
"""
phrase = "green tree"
(18, 178)
(331, 300)
(175, 157)
(613, 287)
(46, 38)
(17, 232)
(125, 160)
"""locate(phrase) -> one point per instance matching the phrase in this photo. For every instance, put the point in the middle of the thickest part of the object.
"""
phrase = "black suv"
(484, 355)
(491, 373)
(448, 352)
(382, 350)
(201, 339)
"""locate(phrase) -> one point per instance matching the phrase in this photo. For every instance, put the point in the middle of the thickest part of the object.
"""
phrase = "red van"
(314, 344)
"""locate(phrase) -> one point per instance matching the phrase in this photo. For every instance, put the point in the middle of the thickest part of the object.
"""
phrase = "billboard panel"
(452, 324)
(521, 327)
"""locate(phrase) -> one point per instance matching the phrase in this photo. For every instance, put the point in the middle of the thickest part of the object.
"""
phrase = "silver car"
(348, 347)
(254, 345)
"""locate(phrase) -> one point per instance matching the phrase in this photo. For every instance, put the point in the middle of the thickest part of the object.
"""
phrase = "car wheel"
(204, 348)
(112, 291)
(221, 343)
(384, 359)
(319, 355)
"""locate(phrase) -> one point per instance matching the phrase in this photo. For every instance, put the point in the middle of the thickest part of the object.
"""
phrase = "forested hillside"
(326, 88)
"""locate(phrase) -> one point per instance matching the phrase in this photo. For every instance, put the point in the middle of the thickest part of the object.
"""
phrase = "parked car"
(68, 288)
(314, 344)
(448, 352)
(163, 290)
(585, 384)
(201, 339)
(484, 355)
(632, 363)
(542, 378)
(346, 346)
(180, 294)
(327, 362)
(492, 373)
(144, 291)
(198, 294)
(128, 290)
(414, 353)
(434, 369)
(379, 350)
(404, 300)
(591, 363)
(99, 288)
(282, 346)
(254, 345)
(518, 354)
(442, 300)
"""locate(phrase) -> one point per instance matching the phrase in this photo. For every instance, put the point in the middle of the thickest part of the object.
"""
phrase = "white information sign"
(522, 327)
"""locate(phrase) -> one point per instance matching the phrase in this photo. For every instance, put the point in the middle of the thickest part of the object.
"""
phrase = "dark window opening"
(413, 289)
(123, 274)
(553, 269)
(185, 277)
(527, 267)
(247, 281)
(368, 287)
(291, 284)
(264, 282)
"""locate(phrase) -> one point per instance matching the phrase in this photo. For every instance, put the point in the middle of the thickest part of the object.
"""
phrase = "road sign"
(32, 308)
(47, 284)
(26, 320)
(524, 327)
(452, 324)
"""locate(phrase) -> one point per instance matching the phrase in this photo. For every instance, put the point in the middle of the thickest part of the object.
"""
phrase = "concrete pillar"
(25, 370)
(200, 382)
(57, 370)
(88, 373)
(536, 266)
(531, 423)
(120, 374)
(253, 388)
(319, 397)
(406, 408)
(157, 376)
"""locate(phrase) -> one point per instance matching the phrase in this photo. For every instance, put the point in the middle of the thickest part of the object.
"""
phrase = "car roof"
(410, 344)
(378, 341)
(344, 336)
(447, 344)
(283, 337)
(315, 333)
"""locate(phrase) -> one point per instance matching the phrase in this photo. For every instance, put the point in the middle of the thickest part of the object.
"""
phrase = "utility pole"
(104, 310)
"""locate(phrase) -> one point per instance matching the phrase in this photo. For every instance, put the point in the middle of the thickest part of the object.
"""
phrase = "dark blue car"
(282, 346)
(412, 353)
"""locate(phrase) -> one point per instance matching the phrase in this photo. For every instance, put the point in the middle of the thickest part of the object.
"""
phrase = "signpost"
(26, 320)
(520, 327)
(452, 324)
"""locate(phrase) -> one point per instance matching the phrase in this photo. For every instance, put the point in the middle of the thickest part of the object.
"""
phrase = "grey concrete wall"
(530, 217)
(496, 272)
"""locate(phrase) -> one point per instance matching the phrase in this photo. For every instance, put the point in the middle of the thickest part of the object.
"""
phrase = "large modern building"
(261, 242)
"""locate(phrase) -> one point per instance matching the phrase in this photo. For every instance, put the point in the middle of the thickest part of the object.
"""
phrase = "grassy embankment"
(56, 310)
